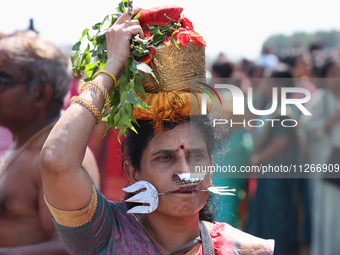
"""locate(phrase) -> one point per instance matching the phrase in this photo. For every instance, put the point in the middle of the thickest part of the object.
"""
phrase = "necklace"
(147, 232)
(31, 139)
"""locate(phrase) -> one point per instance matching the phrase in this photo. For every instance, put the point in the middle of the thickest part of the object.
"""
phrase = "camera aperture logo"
(278, 106)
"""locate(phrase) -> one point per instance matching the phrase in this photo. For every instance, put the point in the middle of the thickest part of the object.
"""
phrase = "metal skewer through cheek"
(148, 195)
(185, 181)
(216, 190)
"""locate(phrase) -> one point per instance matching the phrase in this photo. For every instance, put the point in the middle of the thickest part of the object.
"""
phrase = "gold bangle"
(109, 74)
(103, 90)
(88, 105)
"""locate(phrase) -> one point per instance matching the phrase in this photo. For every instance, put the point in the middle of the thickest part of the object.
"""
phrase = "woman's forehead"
(184, 135)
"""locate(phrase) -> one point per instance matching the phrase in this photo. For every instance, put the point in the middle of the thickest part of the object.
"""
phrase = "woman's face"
(170, 153)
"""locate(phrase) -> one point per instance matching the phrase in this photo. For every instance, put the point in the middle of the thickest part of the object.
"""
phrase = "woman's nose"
(182, 166)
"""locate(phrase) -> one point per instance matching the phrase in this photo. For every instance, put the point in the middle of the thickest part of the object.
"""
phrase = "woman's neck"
(170, 233)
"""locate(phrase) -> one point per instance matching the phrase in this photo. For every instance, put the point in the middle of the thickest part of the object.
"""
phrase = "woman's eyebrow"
(164, 152)
(196, 150)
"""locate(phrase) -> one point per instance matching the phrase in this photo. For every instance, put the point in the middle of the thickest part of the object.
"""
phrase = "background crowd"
(299, 213)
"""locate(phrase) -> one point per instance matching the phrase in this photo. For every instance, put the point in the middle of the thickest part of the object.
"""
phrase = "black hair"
(223, 69)
(325, 68)
(283, 77)
(134, 144)
(291, 57)
(253, 68)
(315, 46)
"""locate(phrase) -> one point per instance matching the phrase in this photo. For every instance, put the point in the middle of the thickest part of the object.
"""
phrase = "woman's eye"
(196, 156)
(164, 157)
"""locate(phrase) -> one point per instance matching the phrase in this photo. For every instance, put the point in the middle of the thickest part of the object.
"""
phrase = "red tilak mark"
(182, 147)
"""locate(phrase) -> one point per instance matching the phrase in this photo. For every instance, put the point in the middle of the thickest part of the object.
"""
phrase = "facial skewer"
(145, 193)
(184, 181)
(216, 190)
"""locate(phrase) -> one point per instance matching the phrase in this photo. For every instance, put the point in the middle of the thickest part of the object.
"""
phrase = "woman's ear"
(131, 172)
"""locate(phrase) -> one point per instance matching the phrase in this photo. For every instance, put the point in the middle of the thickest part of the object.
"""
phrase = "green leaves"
(75, 52)
(84, 33)
(139, 88)
(160, 32)
(173, 41)
(89, 54)
(135, 100)
(138, 15)
(123, 5)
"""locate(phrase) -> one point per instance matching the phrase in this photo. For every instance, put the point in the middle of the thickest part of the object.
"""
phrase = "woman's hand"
(118, 42)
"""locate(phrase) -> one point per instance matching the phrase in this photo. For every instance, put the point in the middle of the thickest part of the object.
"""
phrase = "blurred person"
(222, 69)
(5, 135)
(301, 65)
(246, 65)
(302, 70)
(323, 130)
(317, 54)
(222, 58)
(239, 148)
(273, 209)
(34, 78)
(256, 73)
(267, 59)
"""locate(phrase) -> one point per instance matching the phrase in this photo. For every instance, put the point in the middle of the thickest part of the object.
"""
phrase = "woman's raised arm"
(67, 185)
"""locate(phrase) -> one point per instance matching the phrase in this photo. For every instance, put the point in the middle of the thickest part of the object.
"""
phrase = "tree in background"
(283, 43)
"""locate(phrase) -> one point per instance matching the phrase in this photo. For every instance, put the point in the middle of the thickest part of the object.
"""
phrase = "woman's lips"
(183, 191)
(186, 183)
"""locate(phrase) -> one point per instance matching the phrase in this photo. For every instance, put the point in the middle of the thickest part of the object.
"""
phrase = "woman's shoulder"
(227, 239)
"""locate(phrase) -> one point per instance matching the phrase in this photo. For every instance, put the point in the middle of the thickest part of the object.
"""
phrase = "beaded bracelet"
(88, 105)
(103, 90)
(109, 74)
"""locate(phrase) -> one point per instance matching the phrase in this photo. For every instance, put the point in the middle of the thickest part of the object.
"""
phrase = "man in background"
(34, 78)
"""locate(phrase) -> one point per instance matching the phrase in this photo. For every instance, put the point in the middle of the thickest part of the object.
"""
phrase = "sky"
(237, 28)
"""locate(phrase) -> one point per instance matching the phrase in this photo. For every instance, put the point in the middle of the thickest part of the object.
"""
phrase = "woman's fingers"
(131, 23)
(135, 22)
(137, 29)
(125, 16)
(118, 38)
(121, 19)
(136, 10)
(132, 29)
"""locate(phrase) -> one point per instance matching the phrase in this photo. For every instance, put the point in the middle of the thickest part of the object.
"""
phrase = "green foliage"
(281, 42)
(123, 98)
